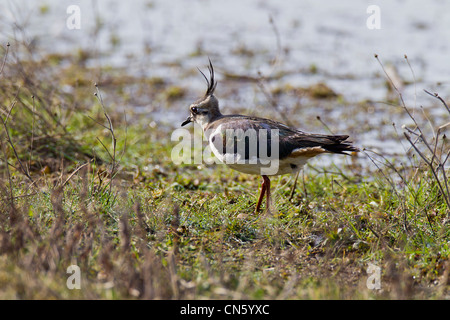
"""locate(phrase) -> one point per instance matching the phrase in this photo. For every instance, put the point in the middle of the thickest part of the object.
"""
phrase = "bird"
(256, 145)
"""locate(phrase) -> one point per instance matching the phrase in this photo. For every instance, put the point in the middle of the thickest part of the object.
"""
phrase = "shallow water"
(169, 39)
(332, 36)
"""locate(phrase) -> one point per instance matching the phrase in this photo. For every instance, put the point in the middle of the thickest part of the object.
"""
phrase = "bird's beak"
(188, 120)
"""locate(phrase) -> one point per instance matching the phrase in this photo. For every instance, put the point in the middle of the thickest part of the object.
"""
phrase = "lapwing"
(256, 145)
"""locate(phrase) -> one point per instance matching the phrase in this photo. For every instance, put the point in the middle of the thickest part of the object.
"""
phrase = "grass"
(84, 184)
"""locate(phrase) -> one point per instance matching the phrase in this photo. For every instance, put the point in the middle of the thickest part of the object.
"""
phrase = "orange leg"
(267, 181)
(265, 189)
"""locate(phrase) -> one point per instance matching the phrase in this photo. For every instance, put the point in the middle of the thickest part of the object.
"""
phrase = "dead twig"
(433, 171)
(110, 128)
(432, 158)
(74, 172)
(438, 97)
(4, 58)
(8, 138)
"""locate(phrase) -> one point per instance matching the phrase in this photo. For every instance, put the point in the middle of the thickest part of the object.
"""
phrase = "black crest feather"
(211, 83)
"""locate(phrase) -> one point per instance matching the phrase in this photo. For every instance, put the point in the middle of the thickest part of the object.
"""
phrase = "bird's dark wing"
(328, 143)
(240, 134)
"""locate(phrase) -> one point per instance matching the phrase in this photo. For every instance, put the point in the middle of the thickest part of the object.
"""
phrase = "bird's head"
(205, 109)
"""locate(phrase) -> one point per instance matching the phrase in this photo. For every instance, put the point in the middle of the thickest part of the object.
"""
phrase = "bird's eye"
(194, 110)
